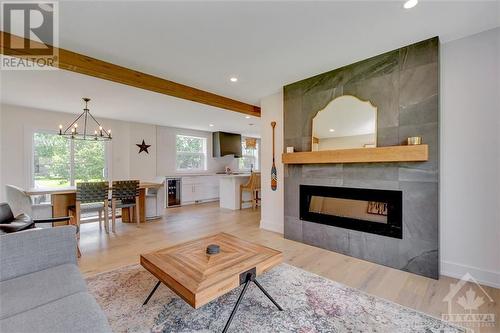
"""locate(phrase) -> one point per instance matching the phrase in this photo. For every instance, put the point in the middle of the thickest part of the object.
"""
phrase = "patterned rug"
(311, 304)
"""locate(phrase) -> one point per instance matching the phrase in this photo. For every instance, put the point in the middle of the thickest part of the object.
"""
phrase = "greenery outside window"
(191, 153)
(249, 159)
(59, 162)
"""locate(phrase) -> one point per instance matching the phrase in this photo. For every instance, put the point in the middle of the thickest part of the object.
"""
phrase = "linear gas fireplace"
(375, 211)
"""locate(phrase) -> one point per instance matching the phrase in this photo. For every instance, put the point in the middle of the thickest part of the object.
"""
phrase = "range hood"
(226, 144)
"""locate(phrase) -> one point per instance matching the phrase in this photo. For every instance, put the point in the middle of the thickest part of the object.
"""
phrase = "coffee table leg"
(267, 294)
(151, 293)
(237, 304)
(249, 278)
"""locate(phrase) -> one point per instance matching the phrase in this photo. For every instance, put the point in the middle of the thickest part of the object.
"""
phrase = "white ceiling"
(265, 44)
(202, 44)
(60, 90)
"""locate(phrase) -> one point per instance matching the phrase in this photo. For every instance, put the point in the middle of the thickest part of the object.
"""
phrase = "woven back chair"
(125, 195)
(252, 186)
(92, 192)
(125, 190)
(92, 197)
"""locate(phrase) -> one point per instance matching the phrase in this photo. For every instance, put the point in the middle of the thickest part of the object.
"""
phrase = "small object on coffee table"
(213, 249)
(199, 279)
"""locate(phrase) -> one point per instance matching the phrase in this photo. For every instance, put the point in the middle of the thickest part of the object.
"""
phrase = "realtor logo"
(467, 302)
(29, 35)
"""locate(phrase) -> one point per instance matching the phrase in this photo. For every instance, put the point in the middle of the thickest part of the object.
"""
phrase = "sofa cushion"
(77, 313)
(30, 251)
(6, 215)
(32, 290)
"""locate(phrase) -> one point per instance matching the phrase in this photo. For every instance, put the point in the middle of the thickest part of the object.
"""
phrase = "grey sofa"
(41, 288)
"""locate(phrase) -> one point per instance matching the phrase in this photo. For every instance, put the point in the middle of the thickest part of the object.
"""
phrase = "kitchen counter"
(206, 187)
(229, 188)
(207, 174)
(190, 175)
(234, 175)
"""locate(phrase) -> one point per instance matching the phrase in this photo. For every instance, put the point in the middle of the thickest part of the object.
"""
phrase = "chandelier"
(89, 123)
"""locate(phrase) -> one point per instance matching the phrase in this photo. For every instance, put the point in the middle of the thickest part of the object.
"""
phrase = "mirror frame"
(330, 102)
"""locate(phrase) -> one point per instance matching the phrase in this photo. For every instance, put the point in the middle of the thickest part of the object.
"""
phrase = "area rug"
(311, 304)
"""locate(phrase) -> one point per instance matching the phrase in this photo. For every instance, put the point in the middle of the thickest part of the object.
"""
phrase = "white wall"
(1, 158)
(142, 166)
(272, 209)
(166, 151)
(17, 125)
(470, 157)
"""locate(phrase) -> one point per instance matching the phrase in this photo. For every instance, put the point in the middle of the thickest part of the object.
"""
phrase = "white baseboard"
(485, 277)
(271, 226)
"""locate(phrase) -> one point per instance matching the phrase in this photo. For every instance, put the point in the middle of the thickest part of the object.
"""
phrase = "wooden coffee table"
(198, 277)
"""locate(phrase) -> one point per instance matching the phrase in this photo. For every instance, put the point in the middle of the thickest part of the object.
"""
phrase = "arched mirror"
(346, 122)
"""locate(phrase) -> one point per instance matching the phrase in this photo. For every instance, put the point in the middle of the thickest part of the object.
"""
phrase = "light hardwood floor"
(102, 252)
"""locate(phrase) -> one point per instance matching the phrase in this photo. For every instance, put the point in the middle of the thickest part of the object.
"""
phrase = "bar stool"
(252, 186)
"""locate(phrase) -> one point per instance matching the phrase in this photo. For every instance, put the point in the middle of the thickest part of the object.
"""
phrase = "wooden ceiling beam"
(83, 64)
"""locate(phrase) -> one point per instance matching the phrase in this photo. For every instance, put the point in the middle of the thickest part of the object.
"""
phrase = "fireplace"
(374, 211)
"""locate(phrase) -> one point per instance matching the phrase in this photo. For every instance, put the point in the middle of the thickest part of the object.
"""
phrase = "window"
(59, 162)
(249, 156)
(191, 153)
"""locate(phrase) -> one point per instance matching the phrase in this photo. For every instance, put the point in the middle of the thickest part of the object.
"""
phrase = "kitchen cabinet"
(199, 189)
(188, 193)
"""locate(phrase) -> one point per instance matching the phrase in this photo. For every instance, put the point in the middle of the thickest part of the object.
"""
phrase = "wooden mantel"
(417, 153)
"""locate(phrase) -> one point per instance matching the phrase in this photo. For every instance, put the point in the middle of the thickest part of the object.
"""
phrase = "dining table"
(65, 197)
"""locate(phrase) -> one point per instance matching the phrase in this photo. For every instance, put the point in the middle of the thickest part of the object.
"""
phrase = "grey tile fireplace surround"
(404, 85)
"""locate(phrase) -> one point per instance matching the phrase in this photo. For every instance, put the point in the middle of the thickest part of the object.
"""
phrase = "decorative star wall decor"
(143, 147)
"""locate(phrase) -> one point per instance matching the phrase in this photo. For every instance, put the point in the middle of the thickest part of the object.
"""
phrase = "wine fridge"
(173, 192)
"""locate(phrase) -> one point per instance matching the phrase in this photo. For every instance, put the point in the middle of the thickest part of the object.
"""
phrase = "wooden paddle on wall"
(274, 173)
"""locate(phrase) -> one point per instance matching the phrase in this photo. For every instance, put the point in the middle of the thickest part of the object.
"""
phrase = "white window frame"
(107, 159)
(256, 161)
(204, 154)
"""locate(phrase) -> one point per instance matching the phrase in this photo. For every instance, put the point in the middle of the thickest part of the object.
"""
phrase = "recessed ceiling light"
(211, 125)
(331, 130)
(233, 79)
(248, 117)
(410, 4)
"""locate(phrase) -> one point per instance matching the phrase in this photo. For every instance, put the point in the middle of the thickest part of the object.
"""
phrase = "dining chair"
(21, 202)
(21, 210)
(252, 186)
(92, 197)
(125, 195)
